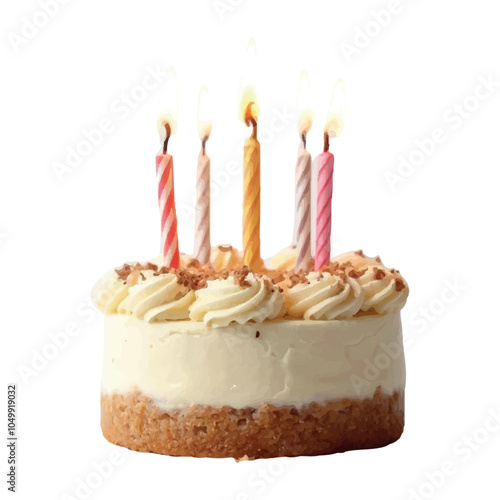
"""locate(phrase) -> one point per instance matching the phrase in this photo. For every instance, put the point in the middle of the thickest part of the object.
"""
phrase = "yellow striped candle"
(249, 114)
(251, 200)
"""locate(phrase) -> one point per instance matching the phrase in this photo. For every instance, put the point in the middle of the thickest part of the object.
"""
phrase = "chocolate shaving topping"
(194, 263)
(240, 276)
(278, 278)
(356, 273)
(296, 278)
(195, 276)
(225, 248)
(400, 284)
(124, 272)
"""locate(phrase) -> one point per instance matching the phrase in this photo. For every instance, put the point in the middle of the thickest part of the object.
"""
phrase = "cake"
(217, 360)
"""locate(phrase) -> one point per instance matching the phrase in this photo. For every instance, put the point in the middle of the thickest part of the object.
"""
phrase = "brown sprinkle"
(124, 272)
(196, 276)
(400, 284)
(379, 273)
(278, 278)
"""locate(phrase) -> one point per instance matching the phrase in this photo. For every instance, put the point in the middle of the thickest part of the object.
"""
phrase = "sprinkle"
(400, 285)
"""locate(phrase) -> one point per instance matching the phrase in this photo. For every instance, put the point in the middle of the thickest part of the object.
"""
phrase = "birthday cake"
(232, 363)
(225, 355)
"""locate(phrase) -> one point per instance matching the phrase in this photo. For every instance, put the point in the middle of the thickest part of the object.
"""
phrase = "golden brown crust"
(133, 421)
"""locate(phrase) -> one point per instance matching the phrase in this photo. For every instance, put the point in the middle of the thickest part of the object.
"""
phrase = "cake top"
(225, 292)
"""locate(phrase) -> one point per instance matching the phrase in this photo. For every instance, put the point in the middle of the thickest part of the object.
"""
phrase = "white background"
(414, 72)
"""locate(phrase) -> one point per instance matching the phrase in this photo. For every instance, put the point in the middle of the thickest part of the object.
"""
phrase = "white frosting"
(324, 297)
(182, 363)
(158, 298)
(382, 294)
(223, 302)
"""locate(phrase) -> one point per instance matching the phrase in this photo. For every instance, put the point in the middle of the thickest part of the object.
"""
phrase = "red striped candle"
(166, 200)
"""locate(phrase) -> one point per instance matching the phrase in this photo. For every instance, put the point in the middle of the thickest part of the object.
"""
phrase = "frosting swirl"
(158, 298)
(224, 301)
(108, 296)
(146, 296)
(324, 297)
(109, 292)
(385, 290)
(352, 284)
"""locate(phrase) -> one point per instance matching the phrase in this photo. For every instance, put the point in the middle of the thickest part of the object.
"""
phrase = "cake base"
(133, 421)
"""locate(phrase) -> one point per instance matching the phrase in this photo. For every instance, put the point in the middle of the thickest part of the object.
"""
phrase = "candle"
(249, 112)
(302, 230)
(167, 125)
(202, 245)
(324, 167)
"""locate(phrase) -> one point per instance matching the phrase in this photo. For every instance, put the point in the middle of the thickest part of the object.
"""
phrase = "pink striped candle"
(166, 200)
(324, 167)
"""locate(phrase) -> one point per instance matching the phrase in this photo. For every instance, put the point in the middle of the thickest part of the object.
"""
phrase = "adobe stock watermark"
(388, 353)
(462, 451)
(223, 7)
(121, 108)
(101, 471)
(258, 482)
(30, 26)
(221, 179)
(57, 342)
(365, 33)
(453, 119)
(426, 315)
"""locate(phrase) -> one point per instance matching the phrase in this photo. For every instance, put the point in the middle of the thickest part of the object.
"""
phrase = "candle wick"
(168, 132)
(250, 119)
(326, 138)
(204, 144)
(304, 140)
(254, 131)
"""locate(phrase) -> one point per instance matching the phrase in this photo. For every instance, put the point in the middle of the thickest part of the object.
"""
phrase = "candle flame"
(305, 113)
(249, 104)
(168, 108)
(204, 114)
(336, 110)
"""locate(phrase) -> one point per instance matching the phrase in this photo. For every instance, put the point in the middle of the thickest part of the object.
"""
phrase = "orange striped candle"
(251, 197)
(249, 114)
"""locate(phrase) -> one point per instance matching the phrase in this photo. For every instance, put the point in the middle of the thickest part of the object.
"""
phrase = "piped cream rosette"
(324, 297)
(353, 285)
